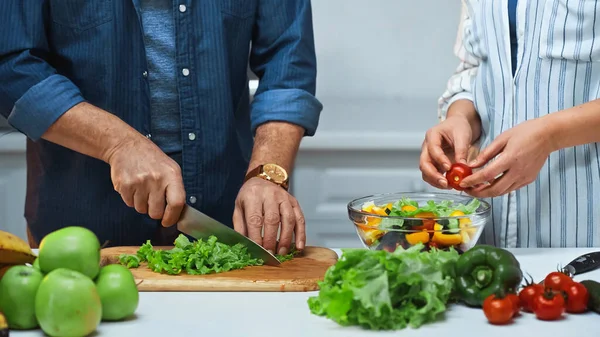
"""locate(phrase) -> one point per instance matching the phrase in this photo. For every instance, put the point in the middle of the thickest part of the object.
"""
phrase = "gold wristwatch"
(270, 172)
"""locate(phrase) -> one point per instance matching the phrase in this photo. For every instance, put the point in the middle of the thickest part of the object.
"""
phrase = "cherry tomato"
(528, 294)
(498, 310)
(577, 297)
(514, 298)
(429, 223)
(549, 305)
(557, 281)
(456, 174)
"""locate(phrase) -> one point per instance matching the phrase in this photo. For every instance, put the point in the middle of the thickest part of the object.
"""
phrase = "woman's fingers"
(430, 172)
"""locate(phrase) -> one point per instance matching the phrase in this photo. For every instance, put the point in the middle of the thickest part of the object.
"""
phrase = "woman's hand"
(455, 134)
(520, 154)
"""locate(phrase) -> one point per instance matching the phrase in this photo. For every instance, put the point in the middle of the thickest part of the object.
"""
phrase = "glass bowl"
(404, 219)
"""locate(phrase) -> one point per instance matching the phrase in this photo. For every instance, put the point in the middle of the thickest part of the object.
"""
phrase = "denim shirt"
(55, 54)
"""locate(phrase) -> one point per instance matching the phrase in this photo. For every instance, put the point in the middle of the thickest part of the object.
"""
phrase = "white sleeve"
(459, 84)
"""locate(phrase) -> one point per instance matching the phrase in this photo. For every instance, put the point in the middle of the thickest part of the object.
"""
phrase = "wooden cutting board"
(299, 274)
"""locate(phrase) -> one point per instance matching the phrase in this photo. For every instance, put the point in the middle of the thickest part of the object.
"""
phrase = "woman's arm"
(574, 126)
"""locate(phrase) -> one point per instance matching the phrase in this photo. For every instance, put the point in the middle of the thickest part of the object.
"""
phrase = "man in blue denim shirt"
(133, 108)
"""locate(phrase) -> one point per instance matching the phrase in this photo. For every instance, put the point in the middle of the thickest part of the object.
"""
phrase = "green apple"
(118, 292)
(67, 304)
(17, 296)
(74, 248)
(36, 264)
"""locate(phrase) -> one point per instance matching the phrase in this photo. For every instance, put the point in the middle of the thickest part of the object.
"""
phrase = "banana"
(4, 268)
(3, 326)
(13, 250)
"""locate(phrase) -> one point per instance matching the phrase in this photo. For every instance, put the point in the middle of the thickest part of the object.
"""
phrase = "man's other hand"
(262, 204)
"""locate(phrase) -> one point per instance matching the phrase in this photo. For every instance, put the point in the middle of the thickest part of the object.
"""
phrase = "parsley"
(195, 258)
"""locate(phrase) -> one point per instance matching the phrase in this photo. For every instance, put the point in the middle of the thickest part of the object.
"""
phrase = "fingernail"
(473, 162)
(446, 167)
(443, 182)
(270, 251)
(462, 161)
(282, 251)
(300, 245)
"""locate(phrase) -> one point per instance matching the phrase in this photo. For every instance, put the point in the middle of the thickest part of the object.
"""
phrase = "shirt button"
(191, 136)
(145, 74)
(182, 8)
(193, 199)
(148, 136)
(185, 71)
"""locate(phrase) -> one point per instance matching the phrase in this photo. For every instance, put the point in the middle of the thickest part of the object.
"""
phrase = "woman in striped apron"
(526, 93)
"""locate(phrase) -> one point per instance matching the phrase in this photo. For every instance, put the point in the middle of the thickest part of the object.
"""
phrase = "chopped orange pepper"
(427, 224)
(417, 237)
(425, 215)
(373, 221)
(445, 239)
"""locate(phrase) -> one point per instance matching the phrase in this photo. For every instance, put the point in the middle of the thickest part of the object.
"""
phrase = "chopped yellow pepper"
(368, 208)
(417, 237)
(371, 235)
(465, 224)
(445, 239)
(409, 208)
(379, 211)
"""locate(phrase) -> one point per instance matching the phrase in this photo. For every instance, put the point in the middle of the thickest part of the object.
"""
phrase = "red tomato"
(427, 224)
(557, 281)
(549, 305)
(577, 297)
(528, 294)
(514, 298)
(498, 310)
(456, 174)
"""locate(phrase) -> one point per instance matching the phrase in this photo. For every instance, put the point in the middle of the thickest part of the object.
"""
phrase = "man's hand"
(519, 152)
(148, 180)
(146, 177)
(263, 205)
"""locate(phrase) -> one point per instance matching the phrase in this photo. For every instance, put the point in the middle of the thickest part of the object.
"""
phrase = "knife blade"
(200, 226)
(583, 264)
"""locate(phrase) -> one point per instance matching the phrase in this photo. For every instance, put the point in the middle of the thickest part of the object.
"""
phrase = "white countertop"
(287, 314)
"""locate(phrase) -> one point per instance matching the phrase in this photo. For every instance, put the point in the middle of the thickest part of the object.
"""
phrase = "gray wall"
(393, 55)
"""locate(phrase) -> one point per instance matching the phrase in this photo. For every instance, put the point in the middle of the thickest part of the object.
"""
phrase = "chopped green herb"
(195, 258)
(130, 261)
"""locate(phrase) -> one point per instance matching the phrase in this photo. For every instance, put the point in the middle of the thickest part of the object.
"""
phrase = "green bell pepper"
(485, 270)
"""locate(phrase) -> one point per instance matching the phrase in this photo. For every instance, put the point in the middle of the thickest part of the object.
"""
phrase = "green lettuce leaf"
(379, 290)
(195, 258)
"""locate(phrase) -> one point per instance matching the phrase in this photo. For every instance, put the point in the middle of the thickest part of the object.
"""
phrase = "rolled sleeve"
(459, 85)
(294, 106)
(30, 117)
(283, 57)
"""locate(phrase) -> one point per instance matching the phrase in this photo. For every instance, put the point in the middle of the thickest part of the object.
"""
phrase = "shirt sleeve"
(32, 94)
(459, 85)
(283, 57)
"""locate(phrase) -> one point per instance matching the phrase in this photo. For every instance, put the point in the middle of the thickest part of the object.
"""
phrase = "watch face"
(275, 172)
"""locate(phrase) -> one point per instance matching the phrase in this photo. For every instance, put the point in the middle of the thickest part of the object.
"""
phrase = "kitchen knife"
(583, 264)
(200, 226)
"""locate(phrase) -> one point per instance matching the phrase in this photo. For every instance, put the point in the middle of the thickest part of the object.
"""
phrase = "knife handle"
(585, 263)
